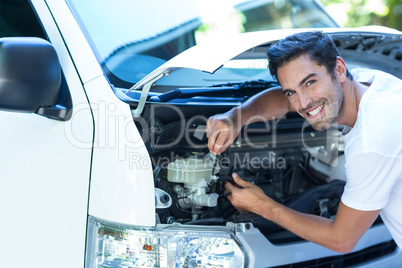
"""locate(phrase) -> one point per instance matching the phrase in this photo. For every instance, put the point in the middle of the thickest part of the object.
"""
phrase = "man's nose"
(304, 101)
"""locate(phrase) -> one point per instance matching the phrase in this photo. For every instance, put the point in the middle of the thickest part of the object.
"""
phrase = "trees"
(367, 12)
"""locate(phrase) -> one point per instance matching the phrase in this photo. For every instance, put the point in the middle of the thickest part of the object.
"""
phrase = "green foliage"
(369, 12)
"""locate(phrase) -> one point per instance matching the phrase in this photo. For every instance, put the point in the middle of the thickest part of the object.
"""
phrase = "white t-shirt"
(373, 151)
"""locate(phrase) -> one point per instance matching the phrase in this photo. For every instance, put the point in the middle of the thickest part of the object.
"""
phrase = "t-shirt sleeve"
(370, 179)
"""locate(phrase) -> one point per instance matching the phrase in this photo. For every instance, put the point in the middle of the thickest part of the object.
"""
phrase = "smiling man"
(316, 83)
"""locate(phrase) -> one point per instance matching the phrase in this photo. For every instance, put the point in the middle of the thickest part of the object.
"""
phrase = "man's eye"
(309, 83)
(290, 93)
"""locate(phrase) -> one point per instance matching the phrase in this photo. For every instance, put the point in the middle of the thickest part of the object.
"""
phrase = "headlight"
(112, 245)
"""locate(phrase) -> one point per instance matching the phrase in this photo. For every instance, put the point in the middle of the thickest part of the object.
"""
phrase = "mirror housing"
(30, 77)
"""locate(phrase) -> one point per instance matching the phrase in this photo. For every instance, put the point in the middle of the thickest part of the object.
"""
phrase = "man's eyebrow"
(300, 83)
(306, 78)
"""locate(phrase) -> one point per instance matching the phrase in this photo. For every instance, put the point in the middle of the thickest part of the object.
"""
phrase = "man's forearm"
(310, 227)
(222, 129)
(267, 105)
(341, 234)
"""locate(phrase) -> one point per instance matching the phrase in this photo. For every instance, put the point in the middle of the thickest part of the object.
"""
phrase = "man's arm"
(341, 234)
(222, 129)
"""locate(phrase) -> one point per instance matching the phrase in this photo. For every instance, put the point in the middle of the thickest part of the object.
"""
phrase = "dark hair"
(318, 46)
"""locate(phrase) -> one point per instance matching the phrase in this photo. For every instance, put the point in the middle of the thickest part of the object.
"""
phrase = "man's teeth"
(316, 111)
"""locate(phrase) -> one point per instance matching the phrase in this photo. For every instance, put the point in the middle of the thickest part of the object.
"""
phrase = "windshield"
(132, 38)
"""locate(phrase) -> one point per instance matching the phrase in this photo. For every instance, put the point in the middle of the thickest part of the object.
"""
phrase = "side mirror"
(30, 77)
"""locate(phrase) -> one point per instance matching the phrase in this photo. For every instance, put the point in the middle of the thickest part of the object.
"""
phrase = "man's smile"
(315, 112)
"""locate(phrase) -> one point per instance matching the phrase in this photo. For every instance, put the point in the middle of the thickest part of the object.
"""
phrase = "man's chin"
(321, 126)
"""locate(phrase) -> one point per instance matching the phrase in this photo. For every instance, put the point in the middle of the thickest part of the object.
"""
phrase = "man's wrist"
(239, 116)
(273, 210)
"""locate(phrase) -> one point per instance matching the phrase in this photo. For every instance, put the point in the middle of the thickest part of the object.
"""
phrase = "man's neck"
(353, 93)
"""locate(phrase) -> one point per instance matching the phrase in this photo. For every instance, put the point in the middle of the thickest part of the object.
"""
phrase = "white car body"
(55, 174)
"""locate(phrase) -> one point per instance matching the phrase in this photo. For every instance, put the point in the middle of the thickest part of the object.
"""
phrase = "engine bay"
(300, 169)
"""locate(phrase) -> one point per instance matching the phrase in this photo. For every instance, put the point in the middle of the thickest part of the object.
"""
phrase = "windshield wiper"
(230, 89)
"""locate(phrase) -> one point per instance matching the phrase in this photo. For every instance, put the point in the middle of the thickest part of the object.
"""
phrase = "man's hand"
(340, 235)
(247, 197)
(222, 130)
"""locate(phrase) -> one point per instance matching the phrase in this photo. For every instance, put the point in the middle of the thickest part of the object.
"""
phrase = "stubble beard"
(332, 110)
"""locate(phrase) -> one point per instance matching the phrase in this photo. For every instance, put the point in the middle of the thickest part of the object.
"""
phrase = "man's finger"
(212, 142)
(208, 127)
(239, 181)
(229, 187)
(221, 142)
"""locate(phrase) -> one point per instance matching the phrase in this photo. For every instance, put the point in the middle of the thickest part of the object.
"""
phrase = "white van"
(103, 157)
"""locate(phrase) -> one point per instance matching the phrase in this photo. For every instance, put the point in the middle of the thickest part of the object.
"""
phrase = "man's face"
(312, 91)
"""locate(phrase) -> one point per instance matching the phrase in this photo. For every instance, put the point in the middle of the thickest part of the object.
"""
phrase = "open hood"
(209, 57)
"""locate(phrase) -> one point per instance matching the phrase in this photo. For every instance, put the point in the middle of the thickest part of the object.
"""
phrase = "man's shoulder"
(378, 119)
(365, 75)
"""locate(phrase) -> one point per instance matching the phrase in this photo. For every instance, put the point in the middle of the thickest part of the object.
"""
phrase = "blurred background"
(354, 13)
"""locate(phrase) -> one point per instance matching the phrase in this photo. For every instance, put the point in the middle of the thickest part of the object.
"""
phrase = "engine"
(304, 172)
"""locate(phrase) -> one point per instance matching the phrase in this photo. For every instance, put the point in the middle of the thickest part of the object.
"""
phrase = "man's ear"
(340, 69)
